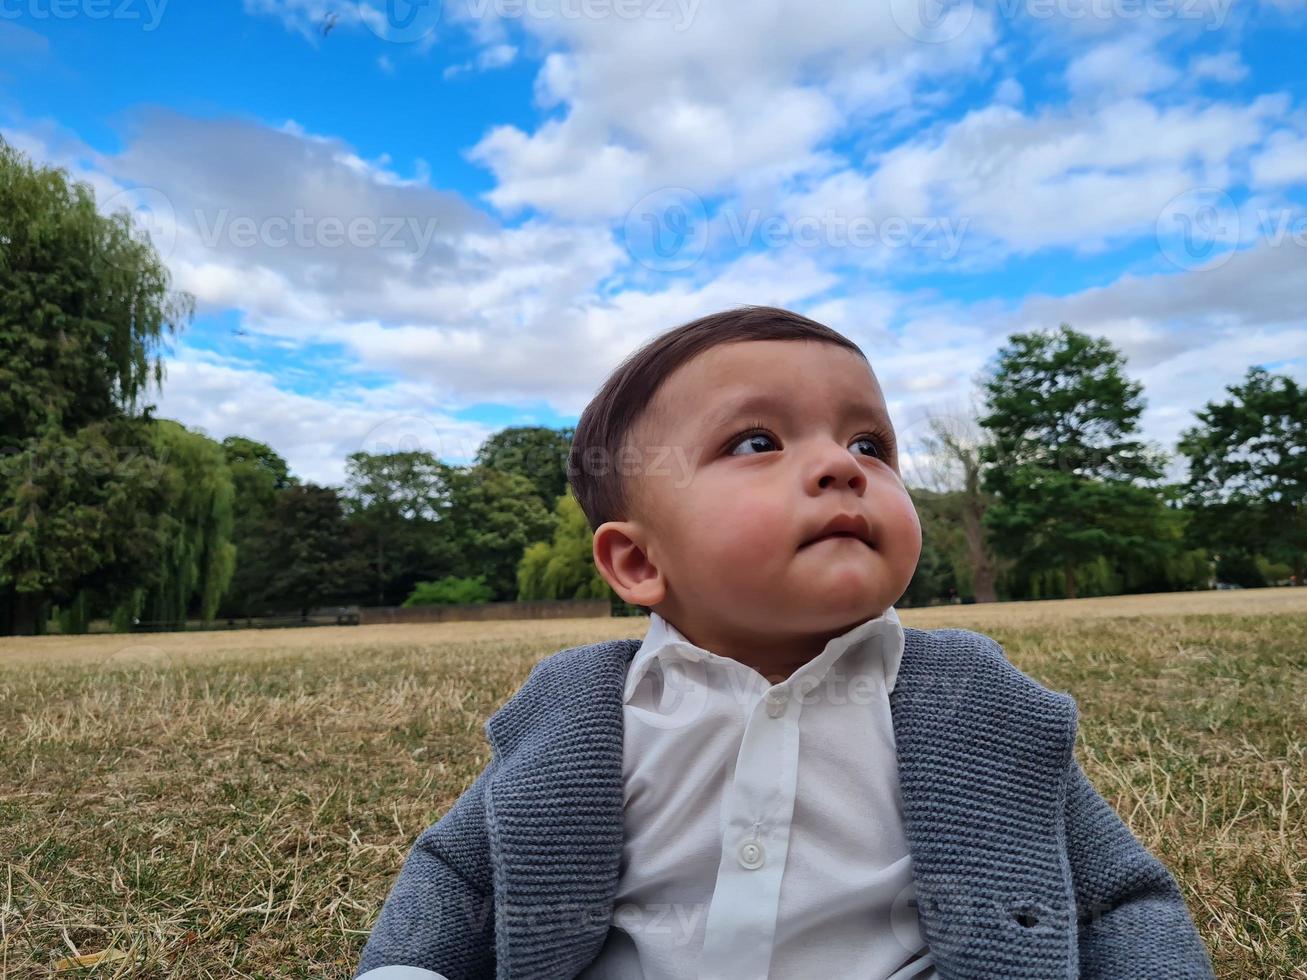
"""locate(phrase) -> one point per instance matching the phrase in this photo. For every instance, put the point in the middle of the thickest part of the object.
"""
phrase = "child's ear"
(623, 561)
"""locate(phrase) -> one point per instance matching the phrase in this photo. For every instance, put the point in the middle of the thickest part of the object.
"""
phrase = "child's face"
(723, 523)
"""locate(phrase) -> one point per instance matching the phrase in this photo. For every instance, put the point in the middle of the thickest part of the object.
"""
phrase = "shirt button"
(776, 698)
(751, 854)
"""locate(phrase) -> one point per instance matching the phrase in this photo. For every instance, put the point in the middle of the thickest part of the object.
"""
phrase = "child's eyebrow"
(733, 409)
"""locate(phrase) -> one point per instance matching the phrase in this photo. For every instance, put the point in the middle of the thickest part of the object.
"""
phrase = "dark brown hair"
(604, 427)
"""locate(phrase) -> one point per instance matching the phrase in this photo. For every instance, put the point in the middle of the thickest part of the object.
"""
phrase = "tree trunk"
(984, 575)
(1070, 580)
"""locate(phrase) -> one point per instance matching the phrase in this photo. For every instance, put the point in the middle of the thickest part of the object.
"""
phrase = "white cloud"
(487, 59)
(745, 94)
(1122, 67)
(1282, 162)
(1075, 177)
(314, 434)
(1226, 66)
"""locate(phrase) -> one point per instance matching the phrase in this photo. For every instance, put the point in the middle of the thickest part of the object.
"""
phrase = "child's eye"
(874, 443)
(749, 438)
(754, 436)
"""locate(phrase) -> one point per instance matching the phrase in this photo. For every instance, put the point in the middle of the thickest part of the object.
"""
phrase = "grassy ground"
(236, 805)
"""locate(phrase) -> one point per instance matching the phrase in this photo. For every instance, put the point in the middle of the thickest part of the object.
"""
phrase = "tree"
(307, 551)
(79, 524)
(1071, 481)
(935, 576)
(449, 590)
(954, 472)
(400, 502)
(258, 474)
(85, 308)
(195, 519)
(563, 567)
(493, 518)
(1248, 468)
(535, 452)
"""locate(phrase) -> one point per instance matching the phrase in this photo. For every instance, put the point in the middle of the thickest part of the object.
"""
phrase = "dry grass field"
(223, 805)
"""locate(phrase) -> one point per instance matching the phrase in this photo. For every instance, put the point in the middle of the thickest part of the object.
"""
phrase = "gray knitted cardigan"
(1021, 868)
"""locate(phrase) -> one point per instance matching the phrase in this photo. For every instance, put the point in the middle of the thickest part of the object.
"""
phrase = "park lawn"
(225, 805)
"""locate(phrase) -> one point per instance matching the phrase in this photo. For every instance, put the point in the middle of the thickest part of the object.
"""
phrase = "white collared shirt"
(763, 825)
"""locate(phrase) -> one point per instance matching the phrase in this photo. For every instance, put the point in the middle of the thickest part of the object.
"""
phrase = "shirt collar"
(663, 640)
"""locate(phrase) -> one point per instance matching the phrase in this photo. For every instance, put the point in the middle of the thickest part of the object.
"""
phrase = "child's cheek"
(901, 528)
(749, 533)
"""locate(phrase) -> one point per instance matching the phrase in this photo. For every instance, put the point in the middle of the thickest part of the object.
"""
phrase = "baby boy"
(779, 780)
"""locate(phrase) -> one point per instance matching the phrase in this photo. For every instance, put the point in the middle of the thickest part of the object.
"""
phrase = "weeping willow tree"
(86, 307)
(563, 568)
(196, 556)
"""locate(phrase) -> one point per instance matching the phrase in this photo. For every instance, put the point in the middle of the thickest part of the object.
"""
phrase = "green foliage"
(450, 590)
(85, 307)
(942, 548)
(563, 567)
(1248, 469)
(956, 504)
(1062, 462)
(535, 452)
(195, 520)
(1240, 568)
(258, 473)
(1275, 572)
(85, 303)
(399, 502)
(79, 514)
(493, 519)
(305, 553)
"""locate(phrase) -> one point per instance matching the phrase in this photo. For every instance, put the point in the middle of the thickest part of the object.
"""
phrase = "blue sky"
(418, 224)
